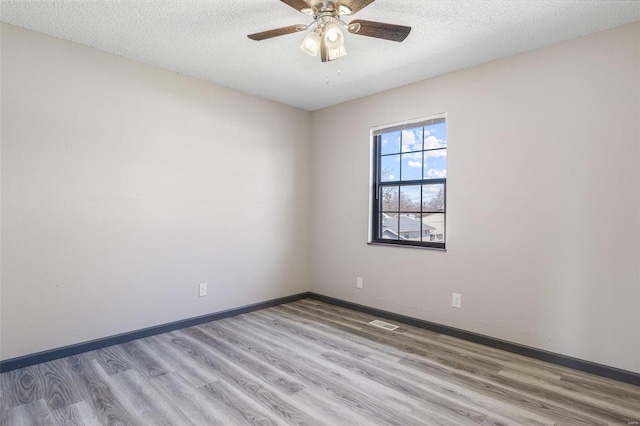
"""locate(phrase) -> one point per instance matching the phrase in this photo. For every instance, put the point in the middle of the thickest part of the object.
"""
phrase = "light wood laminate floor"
(308, 363)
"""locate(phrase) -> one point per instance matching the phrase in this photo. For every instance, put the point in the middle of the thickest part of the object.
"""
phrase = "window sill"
(373, 243)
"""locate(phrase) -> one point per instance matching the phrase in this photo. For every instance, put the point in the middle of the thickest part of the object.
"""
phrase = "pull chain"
(327, 78)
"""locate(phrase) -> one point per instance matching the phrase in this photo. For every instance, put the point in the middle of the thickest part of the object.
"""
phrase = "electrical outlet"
(202, 289)
(456, 300)
(359, 282)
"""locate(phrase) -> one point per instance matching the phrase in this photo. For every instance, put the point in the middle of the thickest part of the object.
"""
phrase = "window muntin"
(409, 188)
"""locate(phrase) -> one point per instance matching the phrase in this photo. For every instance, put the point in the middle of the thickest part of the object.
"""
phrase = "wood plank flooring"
(308, 363)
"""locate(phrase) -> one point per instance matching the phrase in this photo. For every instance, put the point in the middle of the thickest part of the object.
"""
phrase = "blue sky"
(397, 156)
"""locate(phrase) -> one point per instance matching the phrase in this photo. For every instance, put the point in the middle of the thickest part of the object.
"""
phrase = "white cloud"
(408, 137)
(436, 154)
(436, 174)
(433, 142)
(412, 140)
(414, 163)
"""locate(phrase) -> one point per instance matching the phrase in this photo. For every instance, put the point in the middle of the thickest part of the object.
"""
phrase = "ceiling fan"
(326, 36)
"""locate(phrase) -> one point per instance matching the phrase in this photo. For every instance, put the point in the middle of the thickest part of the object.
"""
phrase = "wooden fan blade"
(296, 4)
(355, 5)
(379, 30)
(275, 33)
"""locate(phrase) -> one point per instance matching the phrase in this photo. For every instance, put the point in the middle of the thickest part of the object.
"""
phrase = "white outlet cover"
(456, 300)
(359, 283)
(202, 289)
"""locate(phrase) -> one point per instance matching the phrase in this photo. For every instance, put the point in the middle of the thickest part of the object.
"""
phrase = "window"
(409, 188)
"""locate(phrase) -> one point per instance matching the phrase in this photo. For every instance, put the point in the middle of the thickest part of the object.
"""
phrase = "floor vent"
(382, 324)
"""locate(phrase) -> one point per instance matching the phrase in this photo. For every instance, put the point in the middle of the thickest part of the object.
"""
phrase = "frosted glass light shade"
(333, 37)
(311, 44)
(338, 53)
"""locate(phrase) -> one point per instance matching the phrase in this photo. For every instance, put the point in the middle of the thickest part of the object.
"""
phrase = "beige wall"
(543, 201)
(124, 186)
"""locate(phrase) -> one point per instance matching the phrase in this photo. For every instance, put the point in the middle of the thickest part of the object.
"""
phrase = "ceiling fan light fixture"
(333, 37)
(344, 10)
(326, 33)
(338, 53)
(311, 44)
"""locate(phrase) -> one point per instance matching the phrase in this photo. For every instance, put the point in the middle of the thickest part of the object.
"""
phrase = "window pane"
(433, 228)
(412, 166)
(390, 199)
(410, 198)
(435, 164)
(433, 198)
(410, 180)
(390, 168)
(390, 143)
(435, 136)
(410, 227)
(388, 226)
(412, 140)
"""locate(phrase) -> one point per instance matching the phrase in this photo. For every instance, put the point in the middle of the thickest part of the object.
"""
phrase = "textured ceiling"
(207, 39)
